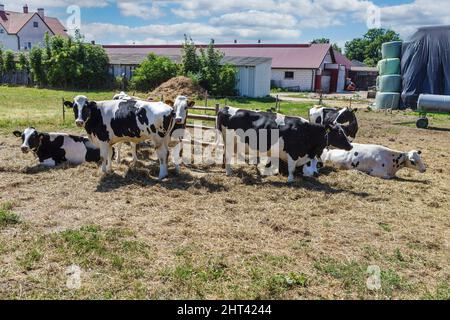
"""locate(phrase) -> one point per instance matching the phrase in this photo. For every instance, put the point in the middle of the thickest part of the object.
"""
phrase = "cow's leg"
(118, 149)
(163, 153)
(109, 158)
(134, 153)
(104, 150)
(291, 169)
(178, 155)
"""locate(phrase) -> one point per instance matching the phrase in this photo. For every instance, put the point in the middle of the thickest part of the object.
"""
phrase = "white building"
(253, 73)
(23, 30)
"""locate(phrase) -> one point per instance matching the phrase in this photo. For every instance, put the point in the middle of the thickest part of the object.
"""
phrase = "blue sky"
(272, 21)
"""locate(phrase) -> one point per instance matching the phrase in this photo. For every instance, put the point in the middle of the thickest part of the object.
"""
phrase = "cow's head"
(81, 108)
(180, 107)
(31, 139)
(414, 161)
(347, 115)
(336, 137)
(310, 168)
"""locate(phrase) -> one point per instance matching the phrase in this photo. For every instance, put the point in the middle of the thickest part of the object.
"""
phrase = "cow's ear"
(18, 134)
(191, 104)
(354, 110)
(169, 103)
(68, 104)
(91, 104)
(419, 152)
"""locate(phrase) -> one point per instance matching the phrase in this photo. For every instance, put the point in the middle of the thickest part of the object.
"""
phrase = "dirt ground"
(205, 235)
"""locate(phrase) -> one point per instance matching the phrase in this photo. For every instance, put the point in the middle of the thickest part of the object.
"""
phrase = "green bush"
(152, 72)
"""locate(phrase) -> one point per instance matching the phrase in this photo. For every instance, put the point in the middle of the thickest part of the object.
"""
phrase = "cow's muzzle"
(25, 149)
(179, 120)
(79, 123)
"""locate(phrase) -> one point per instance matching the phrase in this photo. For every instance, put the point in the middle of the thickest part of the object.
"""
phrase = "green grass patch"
(442, 292)
(7, 217)
(385, 226)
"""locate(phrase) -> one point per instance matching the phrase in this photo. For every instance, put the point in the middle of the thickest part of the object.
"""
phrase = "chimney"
(25, 9)
(2, 7)
(40, 12)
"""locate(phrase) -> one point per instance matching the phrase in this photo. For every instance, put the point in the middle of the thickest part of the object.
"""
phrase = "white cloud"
(255, 18)
(140, 9)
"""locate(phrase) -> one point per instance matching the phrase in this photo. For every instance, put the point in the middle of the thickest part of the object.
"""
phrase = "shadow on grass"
(301, 182)
(148, 178)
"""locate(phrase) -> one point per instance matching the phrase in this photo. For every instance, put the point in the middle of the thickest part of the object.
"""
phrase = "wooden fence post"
(206, 98)
(63, 111)
(277, 105)
(217, 108)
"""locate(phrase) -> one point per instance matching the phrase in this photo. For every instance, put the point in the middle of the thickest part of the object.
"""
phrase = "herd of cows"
(300, 143)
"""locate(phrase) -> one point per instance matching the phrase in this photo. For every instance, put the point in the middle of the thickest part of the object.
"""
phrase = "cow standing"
(328, 116)
(180, 107)
(299, 141)
(56, 148)
(375, 160)
(113, 121)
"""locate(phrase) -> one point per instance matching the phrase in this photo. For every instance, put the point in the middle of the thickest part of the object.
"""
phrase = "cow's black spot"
(51, 149)
(308, 164)
(152, 127)
(355, 165)
(142, 116)
(356, 154)
(95, 126)
(124, 123)
(319, 120)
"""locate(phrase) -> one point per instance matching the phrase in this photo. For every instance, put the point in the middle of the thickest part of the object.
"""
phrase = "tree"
(9, 63)
(368, 48)
(320, 40)
(189, 61)
(37, 66)
(152, 72)
(337, 48)
(23, 63)
(210, 61)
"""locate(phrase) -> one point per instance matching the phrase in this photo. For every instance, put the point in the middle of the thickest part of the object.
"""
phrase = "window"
(29, 45)
(2, 31)
(289, 75)
(35, 24)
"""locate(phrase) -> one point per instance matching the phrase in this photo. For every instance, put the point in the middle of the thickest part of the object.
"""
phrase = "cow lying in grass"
(375, 160)
(56, 148)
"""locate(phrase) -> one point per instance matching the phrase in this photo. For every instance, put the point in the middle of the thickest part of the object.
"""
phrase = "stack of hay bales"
(389, 82)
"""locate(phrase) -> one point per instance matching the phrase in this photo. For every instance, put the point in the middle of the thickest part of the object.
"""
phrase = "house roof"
(364, 69)
(290, 56)
(341, 59)
(13, 22)
(137, 58)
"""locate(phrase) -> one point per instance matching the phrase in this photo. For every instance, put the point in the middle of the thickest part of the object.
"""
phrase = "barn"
(297, 67)
(253, 73)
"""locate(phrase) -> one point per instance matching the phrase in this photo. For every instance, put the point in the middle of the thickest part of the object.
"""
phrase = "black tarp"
(426, 64)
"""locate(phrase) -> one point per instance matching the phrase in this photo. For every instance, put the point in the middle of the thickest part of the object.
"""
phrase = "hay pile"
(178, 86)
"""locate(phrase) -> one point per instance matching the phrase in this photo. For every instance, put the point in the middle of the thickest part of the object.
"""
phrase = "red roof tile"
(289, 56)
(341, 59)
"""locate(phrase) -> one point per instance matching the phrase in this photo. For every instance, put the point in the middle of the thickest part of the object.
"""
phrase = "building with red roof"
(23, 30)
(299, 67)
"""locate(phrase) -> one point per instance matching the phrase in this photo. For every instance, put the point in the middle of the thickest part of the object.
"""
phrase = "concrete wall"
(31, 34)
(8, 41)
(303, 78)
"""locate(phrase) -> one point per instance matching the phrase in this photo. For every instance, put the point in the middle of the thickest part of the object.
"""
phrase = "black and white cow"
(299, 141)
(180, 107)
(113, 121)
(375, 160)
(55, 148)
(326, 116)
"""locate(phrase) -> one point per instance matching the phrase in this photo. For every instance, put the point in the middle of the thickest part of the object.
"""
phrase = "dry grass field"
(204, 235)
